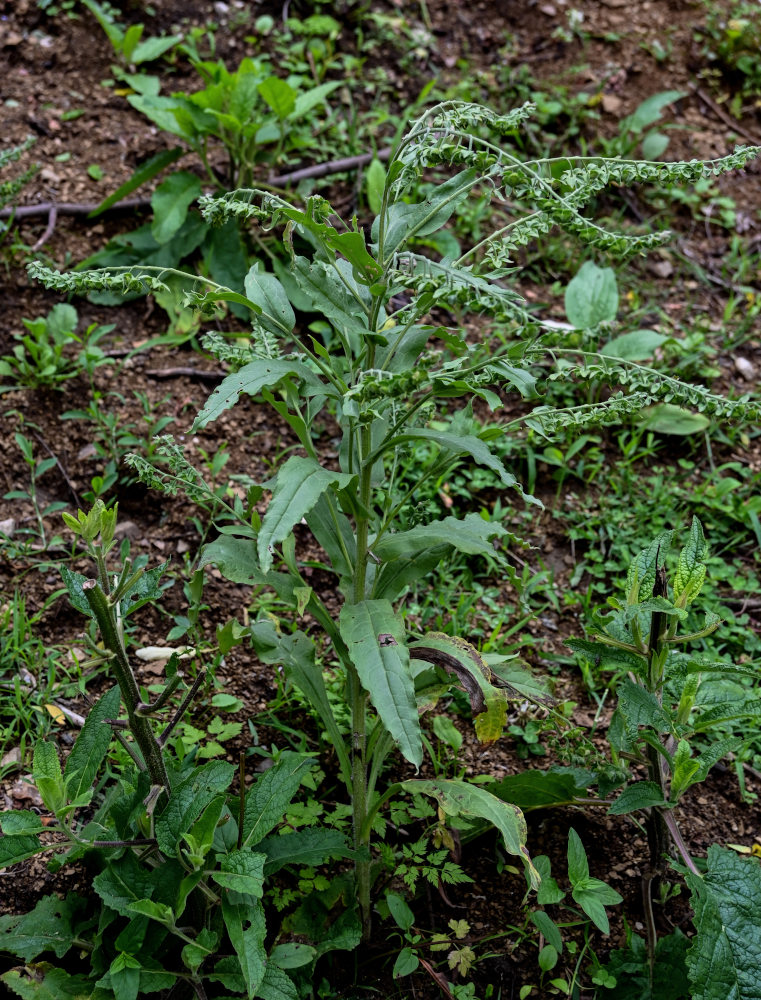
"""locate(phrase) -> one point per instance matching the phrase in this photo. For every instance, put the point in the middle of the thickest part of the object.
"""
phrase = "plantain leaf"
(591, 297)
(374, 635)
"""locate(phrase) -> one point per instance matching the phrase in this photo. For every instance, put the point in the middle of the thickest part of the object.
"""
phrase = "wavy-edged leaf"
(242, 871)
(48, 927)
(300, 484)
(91, 745)
(691, 568)
(461, 798)
(188, 801)
(43, 981)
(251, 379)
(640, 577)
(724, 959)
(374, 635)
(311, 846)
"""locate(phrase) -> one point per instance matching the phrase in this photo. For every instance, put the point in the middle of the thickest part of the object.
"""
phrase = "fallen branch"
(724, 116)
(52, 209)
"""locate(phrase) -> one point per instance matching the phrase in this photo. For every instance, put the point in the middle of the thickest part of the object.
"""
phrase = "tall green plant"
(385, 368)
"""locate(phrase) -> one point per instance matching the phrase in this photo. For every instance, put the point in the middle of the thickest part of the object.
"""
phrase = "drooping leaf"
(91, 745)
(666, 418)
(471, 534)
(374, 636)
(265, 290)
(270, 796)
(591, 297)
(724, 960)
(535, 789)
(462, 798)
(638, 345)
(300, 484)
(18, 822)
(124, 882)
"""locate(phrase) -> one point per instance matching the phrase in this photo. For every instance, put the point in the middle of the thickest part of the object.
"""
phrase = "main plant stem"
(358, 698)
(139, 725)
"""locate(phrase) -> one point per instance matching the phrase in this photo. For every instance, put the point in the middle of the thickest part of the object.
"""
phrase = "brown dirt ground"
(50, 66)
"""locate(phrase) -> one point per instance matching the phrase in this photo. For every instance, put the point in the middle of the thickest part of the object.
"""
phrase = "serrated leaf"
(124, 882)
(242, 871)
(724, 960)
(91, 745)
(247, 929)
(188, 800)
(461, 798)
(533, 789)
(691, 568)
(375, 638)
(268, 799)
(18, 848)
(640, 707)
(276, 985)
(47, 775)
(300, 484)
(591, 297)
(640, 795)
(640, 577)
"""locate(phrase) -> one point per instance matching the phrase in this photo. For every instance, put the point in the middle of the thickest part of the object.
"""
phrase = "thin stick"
(52, 216)
(722, 114)
(183, 708)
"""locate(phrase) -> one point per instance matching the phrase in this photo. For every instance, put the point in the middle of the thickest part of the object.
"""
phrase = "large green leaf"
(251, 379)
(533, 789)
(48, 927)
(311, 846)
(724, 960)
(188, 801)
(460, 798)
(278, 95)
(313, 97)
(242, 871)
(268, 799)
(640, 795)
(170, 202)
(591, 297)
(17, 848)
(472, 535)
(330, 296)
(123, 882)
(374, 636)
(300, 484)
(244, 920)
(265, 290)
(91, 745)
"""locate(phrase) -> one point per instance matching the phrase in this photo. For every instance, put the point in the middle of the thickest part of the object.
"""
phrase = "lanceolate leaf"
(251, 379)
(170, 203)
(375, 638)
(300, 484)
(460, 798)
(245, 925)
(268, 799)
(640, 795)
(311, 846)
(724, 960)
(91, 746)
